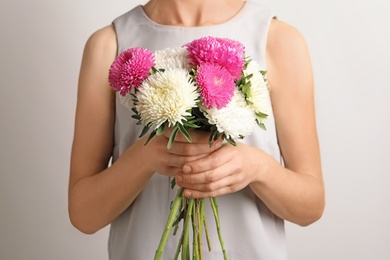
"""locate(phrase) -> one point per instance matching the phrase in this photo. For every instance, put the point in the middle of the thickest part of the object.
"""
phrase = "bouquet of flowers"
(207, 84)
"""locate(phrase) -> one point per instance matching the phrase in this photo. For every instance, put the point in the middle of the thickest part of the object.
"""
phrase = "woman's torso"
(250, 230)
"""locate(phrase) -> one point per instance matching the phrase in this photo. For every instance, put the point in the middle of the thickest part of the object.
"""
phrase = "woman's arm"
(292, 91)
(294, 192)
(98, 194)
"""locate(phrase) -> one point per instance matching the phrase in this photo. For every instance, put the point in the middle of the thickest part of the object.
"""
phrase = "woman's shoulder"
(282, 34)
(285, 44)
(287, 54)
(102, 40)
(99, 52)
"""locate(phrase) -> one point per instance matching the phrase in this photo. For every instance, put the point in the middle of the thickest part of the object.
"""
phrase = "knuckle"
(187, 160)
(214, 160)
(240, 177)
(191, 179)
(187, 149)
(210, 187)
(213, 194)
(211, 176)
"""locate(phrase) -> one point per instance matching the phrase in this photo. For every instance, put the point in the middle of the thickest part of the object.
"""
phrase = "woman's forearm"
(296, 197)
(97, 200)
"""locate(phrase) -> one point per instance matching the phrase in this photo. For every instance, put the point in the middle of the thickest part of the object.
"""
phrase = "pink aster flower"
(225, 52)
(216, 85)
(129, 69)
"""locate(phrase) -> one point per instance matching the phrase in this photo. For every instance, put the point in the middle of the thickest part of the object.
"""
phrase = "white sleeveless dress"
(250, 230)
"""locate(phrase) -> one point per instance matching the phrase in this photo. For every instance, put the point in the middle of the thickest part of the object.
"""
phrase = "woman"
(257, 190)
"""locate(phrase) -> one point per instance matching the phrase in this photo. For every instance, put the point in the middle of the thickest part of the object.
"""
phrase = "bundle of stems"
(191, 213)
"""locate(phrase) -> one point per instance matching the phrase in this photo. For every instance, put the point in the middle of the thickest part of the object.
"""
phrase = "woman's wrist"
(262, 166)
(137, 157)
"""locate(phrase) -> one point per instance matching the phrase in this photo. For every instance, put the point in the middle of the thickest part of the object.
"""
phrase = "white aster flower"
(166, 97)
(171, 58)
(236, 120)
(258, 93)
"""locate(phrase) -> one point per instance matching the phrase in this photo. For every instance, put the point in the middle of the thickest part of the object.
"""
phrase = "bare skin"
(192, 13)
(98, 193)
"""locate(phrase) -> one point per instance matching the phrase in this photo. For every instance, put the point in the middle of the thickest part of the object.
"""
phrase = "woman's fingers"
(221, 187)
(193, 149)
(197, 136)
(211, 179)
(213, 161)
(220, 173)
(171, 161)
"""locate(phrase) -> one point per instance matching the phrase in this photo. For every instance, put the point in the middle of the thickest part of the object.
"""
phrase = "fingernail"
(187, 193)
(187, 169)
(178, 178)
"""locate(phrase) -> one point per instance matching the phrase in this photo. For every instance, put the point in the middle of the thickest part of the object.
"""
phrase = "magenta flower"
(216, 85)
(129, 69)
(225, 52)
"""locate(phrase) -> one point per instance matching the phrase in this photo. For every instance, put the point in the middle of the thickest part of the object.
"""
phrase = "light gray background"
(40, 50)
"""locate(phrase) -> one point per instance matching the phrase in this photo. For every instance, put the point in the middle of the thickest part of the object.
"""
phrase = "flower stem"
(200, 215)
(168, 226)
(185, 250)
(179, 246)
(214, 206)
(206, 228)
(195, 229)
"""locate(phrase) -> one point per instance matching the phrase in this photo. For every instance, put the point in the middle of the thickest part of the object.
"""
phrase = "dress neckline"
(163, 26)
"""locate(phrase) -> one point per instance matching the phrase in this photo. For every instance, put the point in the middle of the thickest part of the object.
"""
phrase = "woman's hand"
(227, 170)
(171, 161)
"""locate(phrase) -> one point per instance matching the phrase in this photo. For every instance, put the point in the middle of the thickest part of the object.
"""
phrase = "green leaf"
(261, 125)
(173, 183)
(249, 102)
(144, 131)
(216, 134)
(160, 130)
(262, 115)
(246, 87)
(172, 137)
(239, 82)
(190, 124)
(211, 139)
(136, 117)
(249, 76)
(152, 134)
(179, 218)
(185, 133)
(231, 141)
(189, 118)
